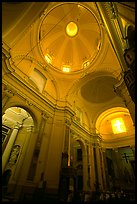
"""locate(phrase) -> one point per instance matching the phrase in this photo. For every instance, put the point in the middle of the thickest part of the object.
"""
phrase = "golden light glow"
(118, 125)
(66, 68)
(71, 29)
(48, 58)
(86, 64)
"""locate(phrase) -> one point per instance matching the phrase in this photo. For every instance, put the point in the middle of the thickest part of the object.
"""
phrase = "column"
(8, 148)
(103, 173)
(92, 168)
(20, 173)
(118, 161)
(99, 166)
(67, 137)
(34, 163)
(96, 183)
(85, 170)
(106, 183)
(41, 128)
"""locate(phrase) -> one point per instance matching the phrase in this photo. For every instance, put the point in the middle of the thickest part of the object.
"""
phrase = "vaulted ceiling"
(37, 31)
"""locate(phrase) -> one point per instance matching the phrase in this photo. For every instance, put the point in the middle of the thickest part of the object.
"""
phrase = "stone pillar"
(67, 139)
(41, 129)
(22, 168)
(99, 166)
(85, 170)
(35, 157)
(8, 148)
(106, 183)
(103, 172)
(96, 184)
(92, 168)
(118, 162)
(72, 153)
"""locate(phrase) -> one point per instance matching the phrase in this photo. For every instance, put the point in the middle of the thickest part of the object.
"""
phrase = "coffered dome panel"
(70, 37)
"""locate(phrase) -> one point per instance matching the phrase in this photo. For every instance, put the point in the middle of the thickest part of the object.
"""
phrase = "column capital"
(17, 125)
(30, 128)
(9, 92)
(115, 149)
(72, 131)
(103, 149)
(67, 122)
(45, 116)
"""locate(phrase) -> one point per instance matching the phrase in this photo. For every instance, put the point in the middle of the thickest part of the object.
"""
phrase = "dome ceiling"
(70, 37)
(99, 90)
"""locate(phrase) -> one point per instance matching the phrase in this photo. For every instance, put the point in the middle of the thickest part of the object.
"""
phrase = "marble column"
(8, 148)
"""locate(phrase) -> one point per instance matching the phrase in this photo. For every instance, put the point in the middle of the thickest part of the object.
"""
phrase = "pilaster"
(8, 148)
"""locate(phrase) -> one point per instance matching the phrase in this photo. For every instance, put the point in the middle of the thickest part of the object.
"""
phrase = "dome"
(70, 37)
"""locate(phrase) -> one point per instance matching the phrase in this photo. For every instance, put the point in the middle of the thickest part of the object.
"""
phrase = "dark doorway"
(5, 177)
(79, 183)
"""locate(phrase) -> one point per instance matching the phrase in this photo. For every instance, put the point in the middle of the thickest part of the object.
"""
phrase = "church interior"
(68, 101)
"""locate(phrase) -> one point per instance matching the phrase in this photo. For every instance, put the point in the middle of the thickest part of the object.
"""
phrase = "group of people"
(99, 196)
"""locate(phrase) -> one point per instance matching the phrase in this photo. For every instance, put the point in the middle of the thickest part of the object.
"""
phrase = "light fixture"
(66, 68)
(85, 64)
(118, 125)
(48, 58)
(71, 29)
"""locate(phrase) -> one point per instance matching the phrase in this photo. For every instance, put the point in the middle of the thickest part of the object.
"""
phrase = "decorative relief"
(113, 10)
(28, 102)
(14, 155)
(30, 128)
(9, 92)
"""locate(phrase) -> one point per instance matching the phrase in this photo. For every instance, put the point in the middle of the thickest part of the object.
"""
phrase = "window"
(79, 115)
(118, 125)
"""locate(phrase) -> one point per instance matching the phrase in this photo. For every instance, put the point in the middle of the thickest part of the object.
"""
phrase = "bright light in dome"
(48, 58)
(118, 125)
(66, 69)
(71, 29)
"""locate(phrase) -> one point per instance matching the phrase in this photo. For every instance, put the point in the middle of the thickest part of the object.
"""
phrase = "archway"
(16, 125)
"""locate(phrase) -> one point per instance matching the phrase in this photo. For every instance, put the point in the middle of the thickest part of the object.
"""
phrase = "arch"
(115, 127)
(29, 110)
(107, 113)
